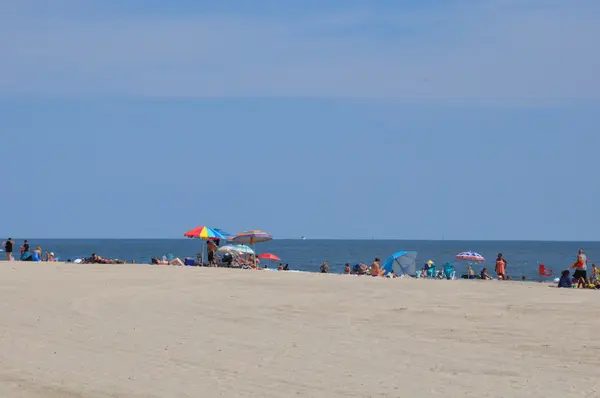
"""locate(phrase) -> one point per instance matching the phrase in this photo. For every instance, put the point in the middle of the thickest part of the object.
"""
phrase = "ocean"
(307, 255)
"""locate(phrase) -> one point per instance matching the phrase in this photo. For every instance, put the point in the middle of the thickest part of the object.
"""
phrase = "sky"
(395, 119)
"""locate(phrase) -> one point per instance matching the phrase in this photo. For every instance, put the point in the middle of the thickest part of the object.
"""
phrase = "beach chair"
(431, 271)
(449, 272)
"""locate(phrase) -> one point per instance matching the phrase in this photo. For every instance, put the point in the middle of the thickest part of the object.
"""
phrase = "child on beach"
(594, 276)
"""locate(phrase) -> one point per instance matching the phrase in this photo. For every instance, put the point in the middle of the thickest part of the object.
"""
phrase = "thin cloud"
(507, 51)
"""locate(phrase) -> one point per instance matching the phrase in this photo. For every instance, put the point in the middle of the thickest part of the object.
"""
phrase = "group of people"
(375, 269)
(580, 277)
(26, 254)
(501, 265)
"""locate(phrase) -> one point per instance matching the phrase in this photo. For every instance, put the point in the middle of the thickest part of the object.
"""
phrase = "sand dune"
(154, 331)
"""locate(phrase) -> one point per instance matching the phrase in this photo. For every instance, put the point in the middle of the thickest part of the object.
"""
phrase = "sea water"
(307, 255)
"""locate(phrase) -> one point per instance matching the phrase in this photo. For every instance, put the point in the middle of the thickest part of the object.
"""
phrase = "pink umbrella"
(268, 256)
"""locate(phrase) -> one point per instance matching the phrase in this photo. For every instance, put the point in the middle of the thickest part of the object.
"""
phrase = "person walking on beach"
(580, 274)
(8, 248)
(501, 267)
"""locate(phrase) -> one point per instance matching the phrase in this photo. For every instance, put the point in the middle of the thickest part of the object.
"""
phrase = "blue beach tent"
(402, 263)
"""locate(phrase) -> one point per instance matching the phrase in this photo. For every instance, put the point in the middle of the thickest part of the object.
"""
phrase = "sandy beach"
(157, 331)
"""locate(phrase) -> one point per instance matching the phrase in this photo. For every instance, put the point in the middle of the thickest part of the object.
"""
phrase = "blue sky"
(338, 119)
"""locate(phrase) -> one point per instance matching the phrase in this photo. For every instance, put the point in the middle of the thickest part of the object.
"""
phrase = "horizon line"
(326, 239)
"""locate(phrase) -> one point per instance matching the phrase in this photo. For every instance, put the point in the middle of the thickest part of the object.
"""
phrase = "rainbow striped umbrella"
(204, 233)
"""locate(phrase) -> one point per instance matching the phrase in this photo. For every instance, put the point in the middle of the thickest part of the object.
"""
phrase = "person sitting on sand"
(347, 268)
(471, 273)
(286, 267)
(280, 267)
(50, 257)
(565, 279)
(484, 275)
(360, 269)
(37, 254)
(376, 268)
(324, 267)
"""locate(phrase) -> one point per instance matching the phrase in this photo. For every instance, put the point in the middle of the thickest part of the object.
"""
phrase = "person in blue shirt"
(565, 279)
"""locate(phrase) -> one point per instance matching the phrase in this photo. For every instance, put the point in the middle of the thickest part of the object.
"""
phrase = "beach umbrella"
(225, 234)
(250, 237)
(269, 256)
(204, 233)
(471, 257)
(402, 263)
(236, 249)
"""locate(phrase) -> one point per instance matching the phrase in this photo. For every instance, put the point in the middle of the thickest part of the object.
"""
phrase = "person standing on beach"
(501, 267)
(580, 274)
(8, 248)
(211, 247)
(25, 247)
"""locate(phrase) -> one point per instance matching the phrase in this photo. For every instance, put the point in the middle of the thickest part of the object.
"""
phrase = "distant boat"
(303, 238)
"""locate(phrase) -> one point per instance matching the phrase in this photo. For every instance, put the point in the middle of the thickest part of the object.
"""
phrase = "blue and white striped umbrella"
(236, 248)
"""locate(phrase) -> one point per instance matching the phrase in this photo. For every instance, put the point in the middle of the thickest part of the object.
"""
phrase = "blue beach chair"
(431, 271)
(449, 272)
